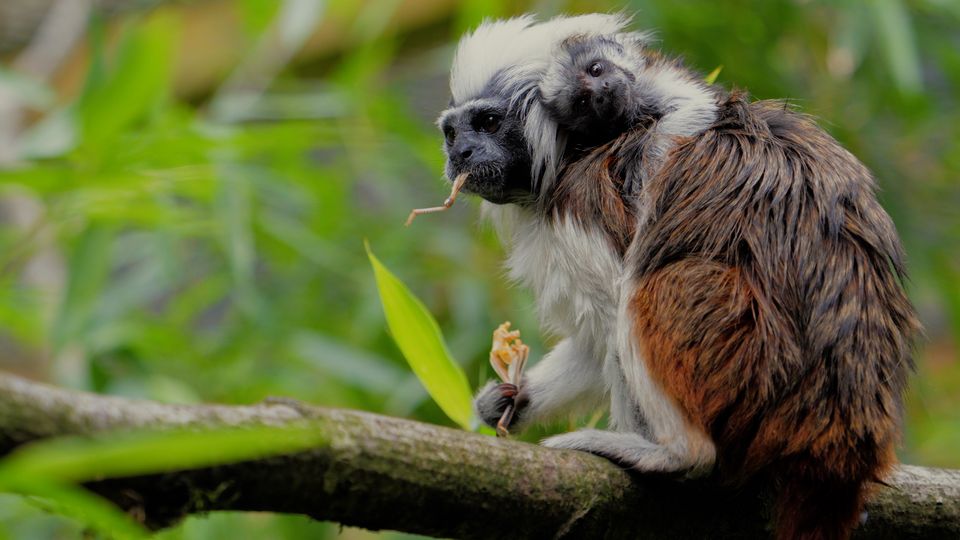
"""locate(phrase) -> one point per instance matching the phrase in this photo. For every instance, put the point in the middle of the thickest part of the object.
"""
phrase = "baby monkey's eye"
(596, 69)
(487, 123)
(449, 134)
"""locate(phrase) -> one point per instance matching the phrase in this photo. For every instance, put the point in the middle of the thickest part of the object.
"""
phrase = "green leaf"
(418, 336)
(473, 12)
(895, 36)
(47, 469)
(235, 209)
(712, 77)
(140, 79)
(75, 459)
(81, 505)
(256, 15)
(89, 267)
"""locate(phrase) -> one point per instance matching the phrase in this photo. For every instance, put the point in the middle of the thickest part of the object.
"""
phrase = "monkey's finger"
(504, 421)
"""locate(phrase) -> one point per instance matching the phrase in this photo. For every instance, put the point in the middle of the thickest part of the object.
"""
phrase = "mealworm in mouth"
(457, 185)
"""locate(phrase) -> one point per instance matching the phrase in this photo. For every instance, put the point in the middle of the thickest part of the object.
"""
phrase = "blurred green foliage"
(50, 469)
(210, 247)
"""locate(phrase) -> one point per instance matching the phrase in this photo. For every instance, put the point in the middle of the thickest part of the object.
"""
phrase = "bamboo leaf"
(712, 77)
(418, 336)
(141, 78)
(74, 459)
(896, 37)
(48, 469)
(80, 505)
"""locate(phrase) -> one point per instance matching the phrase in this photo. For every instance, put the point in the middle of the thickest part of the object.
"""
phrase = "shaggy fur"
(508, 58)
(723, 277)
(591, 88)
(768, 302)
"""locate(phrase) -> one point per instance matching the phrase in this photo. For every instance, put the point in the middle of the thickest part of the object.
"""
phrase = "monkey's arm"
(567, 380)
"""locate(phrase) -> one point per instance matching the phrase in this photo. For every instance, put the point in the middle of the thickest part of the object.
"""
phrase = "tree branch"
(387, 473)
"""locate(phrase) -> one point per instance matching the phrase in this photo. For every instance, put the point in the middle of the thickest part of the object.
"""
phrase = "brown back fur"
(769, 301)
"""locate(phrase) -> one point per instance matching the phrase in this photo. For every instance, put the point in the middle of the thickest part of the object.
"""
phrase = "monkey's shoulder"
(766, 187)
(763, 164)
(766, 253)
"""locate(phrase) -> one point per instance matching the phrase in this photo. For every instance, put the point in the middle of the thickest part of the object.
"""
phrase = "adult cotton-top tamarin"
(721, 274)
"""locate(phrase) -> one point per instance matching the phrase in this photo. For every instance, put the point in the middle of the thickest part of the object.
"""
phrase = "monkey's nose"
(464, 149)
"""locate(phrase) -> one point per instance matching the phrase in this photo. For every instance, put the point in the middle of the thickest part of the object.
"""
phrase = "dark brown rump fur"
(769, 303)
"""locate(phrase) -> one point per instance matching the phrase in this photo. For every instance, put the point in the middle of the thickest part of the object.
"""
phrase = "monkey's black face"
(595, 101)
(605, 91)
(482, 138)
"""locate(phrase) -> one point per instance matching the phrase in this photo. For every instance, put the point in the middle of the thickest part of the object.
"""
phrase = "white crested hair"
(515, 54)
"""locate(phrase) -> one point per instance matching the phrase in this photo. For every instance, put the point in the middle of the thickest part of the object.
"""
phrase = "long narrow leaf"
(895, 36)
(712, 76)
(73, 459)
(80, 505)
(418, 336)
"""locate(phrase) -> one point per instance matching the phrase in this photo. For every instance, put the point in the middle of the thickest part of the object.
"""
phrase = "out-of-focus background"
(185, 187)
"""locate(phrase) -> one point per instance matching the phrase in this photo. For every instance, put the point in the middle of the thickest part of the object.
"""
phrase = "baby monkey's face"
(590, 89)
(603, 92)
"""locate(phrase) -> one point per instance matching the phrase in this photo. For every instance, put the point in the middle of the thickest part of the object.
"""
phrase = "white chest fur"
(572, 270)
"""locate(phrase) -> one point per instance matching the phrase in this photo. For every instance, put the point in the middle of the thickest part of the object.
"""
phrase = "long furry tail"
(813, 504)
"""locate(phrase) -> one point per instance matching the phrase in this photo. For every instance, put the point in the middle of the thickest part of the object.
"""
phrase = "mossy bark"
(387, 473)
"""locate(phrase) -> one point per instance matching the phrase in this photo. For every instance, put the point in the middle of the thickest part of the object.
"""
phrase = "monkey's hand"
(494, 398)
(508, 356)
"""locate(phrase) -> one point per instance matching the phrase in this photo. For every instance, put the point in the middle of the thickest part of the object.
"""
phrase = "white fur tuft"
(519, 52)
(519, 45)
(580, 282)
(481, 54)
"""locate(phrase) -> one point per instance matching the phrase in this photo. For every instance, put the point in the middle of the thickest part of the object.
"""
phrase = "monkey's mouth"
(583, 101)
(482, 176)
(499, 181)
(493, 182)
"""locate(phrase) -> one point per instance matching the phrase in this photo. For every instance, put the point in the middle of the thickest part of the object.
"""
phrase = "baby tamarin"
(591, 87)
(723, 279)
(598, 86)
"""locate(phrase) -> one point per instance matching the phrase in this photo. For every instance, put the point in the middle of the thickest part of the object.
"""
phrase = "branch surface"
(379, 472)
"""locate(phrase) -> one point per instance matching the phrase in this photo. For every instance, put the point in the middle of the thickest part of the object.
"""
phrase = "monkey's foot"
(628, 450)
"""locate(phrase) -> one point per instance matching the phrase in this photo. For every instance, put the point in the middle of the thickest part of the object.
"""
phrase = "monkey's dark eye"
(596, 69)
(487, 123)
(449, 134)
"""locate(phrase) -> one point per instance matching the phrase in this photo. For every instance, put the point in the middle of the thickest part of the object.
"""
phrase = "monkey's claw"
(508, 390)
